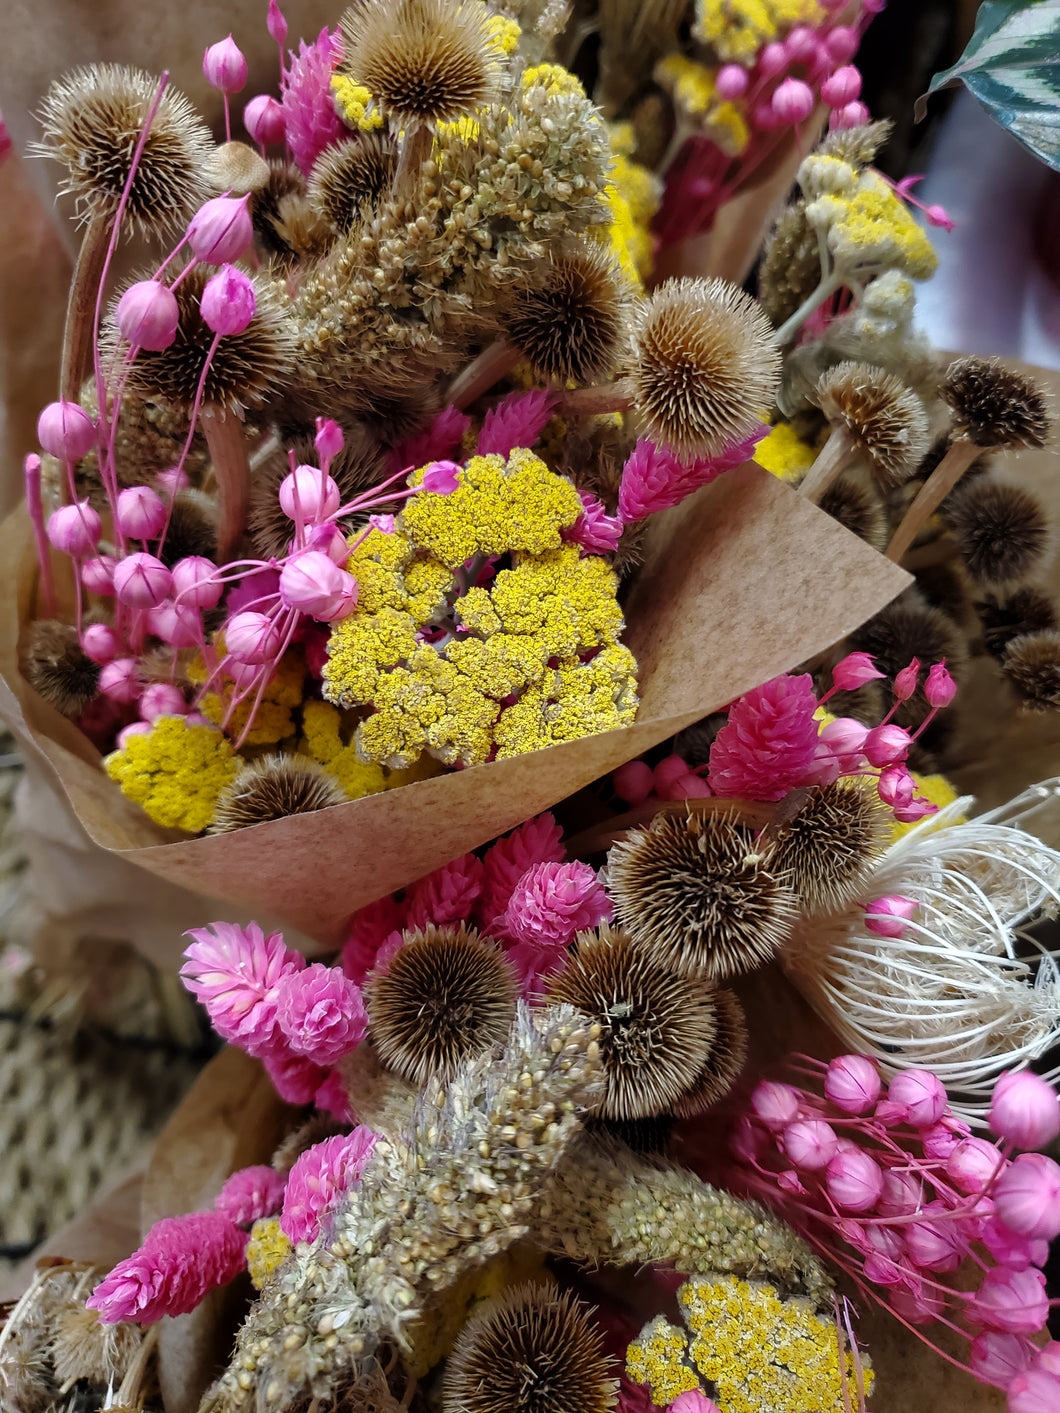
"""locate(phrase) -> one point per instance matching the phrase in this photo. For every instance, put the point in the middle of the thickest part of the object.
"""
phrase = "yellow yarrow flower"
(355, 104)
(175, 772)
(554, 79)
(784, 454)
(504, 34)
(737, 29)
(322, 739)
(273, 717)
(267, 1250)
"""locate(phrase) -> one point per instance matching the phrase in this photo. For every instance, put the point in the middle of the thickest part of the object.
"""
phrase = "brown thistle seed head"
(82, 1348)
(533, 1350)
(906, 629)
(944, 587)
(192, 529)
(57, 668)
(706, 366)
(92, 119)
(351, 177)
(657, 1024)
(832, 844)
(694, 742)
(790, 268)
(245, 370)
(1025, 611)
(1002, 530)
(274, 787)
(856, 145)
(647, 1136)
(727, 1058)
(569, 317)
(884, 418)
(858, 509)
(448, 995)
(867, 704)
(701, 894)
(1032, 665)
(358, 465)
(423, 60)
(270, 205)
(993, 405)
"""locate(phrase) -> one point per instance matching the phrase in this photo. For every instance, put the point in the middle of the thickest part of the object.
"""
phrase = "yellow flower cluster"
(355, 104)
(632, 197)
(757, 1352)
(267, 1250)
(691, 85)
(175, 772)
(784, 454)
(737, 29)
(273, 719)
(866, 227)
(554, 79)
(324, 738)
(463, 671)
(505, 33)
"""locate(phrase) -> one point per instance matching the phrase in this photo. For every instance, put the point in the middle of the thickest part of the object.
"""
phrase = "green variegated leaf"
(1012, 65)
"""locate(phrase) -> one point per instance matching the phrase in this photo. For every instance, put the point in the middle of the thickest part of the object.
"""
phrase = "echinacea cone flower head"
(831, 845)
(995, 406)
(533, 1350)
(1032, 665)
(92, 120)
(706, 365)
(1004, 618)
(424, 60)
(351, 178)
(274, 787)
(1001, 529)
(58, 668)
(700, 893)
(569, 317)
(447, 996)
(884, 418)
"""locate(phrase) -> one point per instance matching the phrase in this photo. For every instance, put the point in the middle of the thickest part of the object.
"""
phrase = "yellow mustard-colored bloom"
(355, 104)
(361, 649)
(322, 739)
(657, 1357)
(737, 29)
(865, 226)
(726, 124)
(464, 129)
(784, 454)
(273, 716)
(504, 33)
(267, 1250)
(632, 198)
(554, 79)
(175, 772)
(691, 85)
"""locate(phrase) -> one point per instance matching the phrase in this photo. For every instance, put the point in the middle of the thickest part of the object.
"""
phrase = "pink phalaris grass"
(768, 744)
(595, 530)
(654, 478)
(370, 928)
(235, 973)
(319, 1177)
(539, 840)
(295, 1079)
(517, 420)
(249, 1194)
(181, 1260)
(440, 439)
(321, 1013)
(447, 895)
(311, 121)
(552, 902)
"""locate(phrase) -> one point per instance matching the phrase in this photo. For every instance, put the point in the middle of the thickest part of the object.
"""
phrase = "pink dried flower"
(440, 439)
(940, 688)
(885, 745)
(852, 1083)
(810, 1143)
(768, 743)
(1025, 1110)
(1034, 1391)
(181, 1260)
(553, 901)
(319, 1177)
(854, 671)
(855, 1181)
(1027, 1196)
(321, 1013)
(539, 840)
(235, 973)
(887, 916)
(333, 1098)
(997, 1358)
(694, 1401)
(517, 421)
(249, 1194)
(449, 894)
(654, 478)
(595, 530)
(295, 1079)
(921, 1096)
(369, 928)
(311, 121)
(972, 1164)
(905, 681)
(1014, 1302)
(776, 1104)
(633, 782)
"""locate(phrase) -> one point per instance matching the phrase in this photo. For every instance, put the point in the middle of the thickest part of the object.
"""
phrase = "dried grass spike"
(706, 365)
(447, 996)
(884, 419)
(58, 669)
(82, 1348)
(1002, 530)
(699, 893)
(534, 1350)
(1027, 610)
(857, 145)
(1032, 665)
(273, 788)
(727, 1058)
(351, 177)
(569, 317)
(833, 843)
(993, 405)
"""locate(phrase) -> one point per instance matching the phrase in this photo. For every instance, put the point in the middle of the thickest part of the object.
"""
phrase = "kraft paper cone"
(742, 582)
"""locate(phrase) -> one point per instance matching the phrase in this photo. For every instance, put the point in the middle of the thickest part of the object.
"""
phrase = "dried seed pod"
(905, 629)
(993, 405)
(833, 843)
(274, 787)
(1002, 529)
(57, 667)
(1032, 665)
(351, 177)
(192, 529)
(857, 509)
(857, 145)
(1025, 611)
(359, 464)
(727, 1058)
(883, 418)
(790, 269)
(569, 317)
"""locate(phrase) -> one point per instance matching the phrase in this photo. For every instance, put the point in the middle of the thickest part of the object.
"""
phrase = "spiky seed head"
(647, 1136)
(358, 465)
(701, 894)
(245, 368)
(1027, 610)
(856, 508)
(274, 787)
(83, 1348)
(884, 418)
(57, 668)
(424, 60)
(448, 995)
(706, 366)
(92, 120)
(1002, 530)
(857, 145)
(533, 1350)
(993, 405)
(235, 168)
(905, 629)
(568, 317)
(271, 208)
(832, 844)
(727, 1058)
(351, 178)
(1032, 664)
(192, 529)
(657, 1023)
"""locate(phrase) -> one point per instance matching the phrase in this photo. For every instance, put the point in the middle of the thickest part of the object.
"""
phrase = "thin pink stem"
(35, 504)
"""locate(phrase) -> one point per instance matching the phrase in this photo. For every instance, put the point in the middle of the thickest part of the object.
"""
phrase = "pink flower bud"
(777, 1105)
(1014, 1302)
(276, 24)
(162, 699)
(140, 513)
(793, 101)
(196, 582)
(313, 584)
(125, 735)
(854, 1181)
(905, 682)
(1049, 1357)
(100, 643)
(997, 1358)
(845, 737)
(221, 230)
(120, 680)
(329, 540)
(264, 120)
(887, 916)
(669, 769)
(383, 523)
(824, 768)
(854, 671)
(687, 787)
(972, 1164)
(693, 1401)
(228, 301)
(772, 60)
(66, 430)
(75, 529)
(940, 1139)
(1025, 1110)
(809, 1143)
(730, 82)
(912, 814)
(842, 88)
(919, 1307)
(920, 1094)
(747, 1140)
(896, 787)
(633, 782)
(842, 43)
(1027, 1197)
(97, 574)
(329, 440)
(800, 42)
(172, 480)
(884, 745)
(224, 66)
(764, 117)
(252, 638)
(902, 1195)
(933, 1244)
(1034, 1391)
(853, 115)
(142, 581)
(177, 624)
(147, 315)
(247, 676)
(940, 688)
(441, 477)
(307, 493)
(791, 1182)
(852, 1084)
(1009, 1249)
(939, 216)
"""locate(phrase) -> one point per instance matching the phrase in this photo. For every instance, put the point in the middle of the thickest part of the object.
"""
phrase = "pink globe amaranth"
(809, 1143)
(307, 493)
(295, 1079)
(177, 624)
(1034, 1391)
(854, 1181)
(972, 1164)
(997, 1358)
(1025, 1110)
(252, 638)
(221, 230)
(1013, 1302)
(120, 680)
(140, 513)
(263, 119)
(776, 1104)
(224, 66)
(228, 301)
(65, 430)
(852, 1083)
(141, 580)
(319, 1178)
(180, 1261)
(920, 1094)
(250, 1194)
(321, 1013)
(235, 973)
(196, 582)
(75, 529)
(902, 1194)
(162, 699)
(100, 642)
(147, 315)
(313, 584)
(97, 575)
(1027, 1196)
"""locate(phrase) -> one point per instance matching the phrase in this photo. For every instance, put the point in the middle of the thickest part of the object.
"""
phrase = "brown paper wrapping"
(740, 583)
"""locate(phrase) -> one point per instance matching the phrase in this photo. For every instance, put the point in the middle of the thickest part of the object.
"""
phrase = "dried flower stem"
(132, 1389)
(790, 327)
(81, 306)
(415, 150)
(933, 492)
(834, 458)
(488, 368)
(231, 467)
(607, 397)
